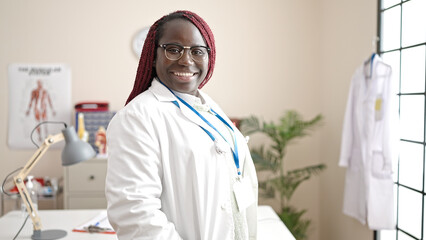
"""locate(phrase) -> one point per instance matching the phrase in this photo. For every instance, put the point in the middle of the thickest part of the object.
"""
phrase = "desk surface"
(270, 226)
(51, 219)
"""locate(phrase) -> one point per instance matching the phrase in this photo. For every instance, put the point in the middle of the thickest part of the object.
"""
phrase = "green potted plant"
(271, 158)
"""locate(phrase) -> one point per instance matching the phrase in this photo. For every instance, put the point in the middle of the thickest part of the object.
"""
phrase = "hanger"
(370, 59)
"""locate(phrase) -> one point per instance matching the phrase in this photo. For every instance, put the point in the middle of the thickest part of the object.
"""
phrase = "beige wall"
(272, 56)
(347, 32)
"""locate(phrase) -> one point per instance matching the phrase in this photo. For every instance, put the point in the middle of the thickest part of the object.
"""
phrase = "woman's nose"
(186, 58)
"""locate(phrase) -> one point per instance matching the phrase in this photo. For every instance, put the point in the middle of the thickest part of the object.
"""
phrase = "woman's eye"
(173, 50)
(197, 52)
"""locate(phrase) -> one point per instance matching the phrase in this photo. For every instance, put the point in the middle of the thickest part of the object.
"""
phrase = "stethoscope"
(219, 148)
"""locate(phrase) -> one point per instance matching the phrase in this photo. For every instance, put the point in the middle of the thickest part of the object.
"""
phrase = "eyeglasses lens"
(175, 52)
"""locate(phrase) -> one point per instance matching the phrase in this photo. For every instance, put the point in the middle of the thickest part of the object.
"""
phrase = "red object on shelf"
(236, 121)
(91, 106)
(15, 189)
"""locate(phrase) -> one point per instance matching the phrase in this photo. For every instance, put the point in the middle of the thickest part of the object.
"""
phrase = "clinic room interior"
(272, 56)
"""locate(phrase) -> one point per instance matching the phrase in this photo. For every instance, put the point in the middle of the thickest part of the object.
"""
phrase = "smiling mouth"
(183, 74)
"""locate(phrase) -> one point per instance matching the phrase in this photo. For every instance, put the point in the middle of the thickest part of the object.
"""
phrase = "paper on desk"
(100, 221)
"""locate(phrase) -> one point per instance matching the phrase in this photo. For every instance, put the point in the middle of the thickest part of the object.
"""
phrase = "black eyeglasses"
(175, 51)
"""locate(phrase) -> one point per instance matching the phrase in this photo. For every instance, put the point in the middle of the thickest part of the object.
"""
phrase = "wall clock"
(138, 41)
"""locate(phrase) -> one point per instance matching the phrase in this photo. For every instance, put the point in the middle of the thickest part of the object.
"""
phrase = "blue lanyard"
(235, 150)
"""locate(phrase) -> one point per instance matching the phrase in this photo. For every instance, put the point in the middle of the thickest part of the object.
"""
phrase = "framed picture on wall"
(37, 93)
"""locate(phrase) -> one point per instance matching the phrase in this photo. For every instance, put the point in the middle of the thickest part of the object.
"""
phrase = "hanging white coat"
(165, 179)
(366, 148)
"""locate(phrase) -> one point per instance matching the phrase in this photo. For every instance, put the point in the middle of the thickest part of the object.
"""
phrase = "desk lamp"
(75, 151)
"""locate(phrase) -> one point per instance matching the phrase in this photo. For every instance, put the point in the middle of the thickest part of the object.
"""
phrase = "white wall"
(347, 32)
(272, 56)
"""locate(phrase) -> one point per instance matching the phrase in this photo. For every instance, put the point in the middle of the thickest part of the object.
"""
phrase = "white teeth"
(184, 74)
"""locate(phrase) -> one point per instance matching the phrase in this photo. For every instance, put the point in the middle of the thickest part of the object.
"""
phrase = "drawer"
(87, 177)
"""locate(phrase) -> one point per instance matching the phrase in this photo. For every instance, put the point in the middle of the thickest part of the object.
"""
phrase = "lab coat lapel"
(366, 96)
(190, 115)
(164, 95)
(360, 98)
(361, 115)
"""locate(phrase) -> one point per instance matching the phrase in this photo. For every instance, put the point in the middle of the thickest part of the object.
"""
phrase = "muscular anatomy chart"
(39, 103)
(37, 93)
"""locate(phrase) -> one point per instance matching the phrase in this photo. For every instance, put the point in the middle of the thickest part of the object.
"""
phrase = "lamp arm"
(19, 179)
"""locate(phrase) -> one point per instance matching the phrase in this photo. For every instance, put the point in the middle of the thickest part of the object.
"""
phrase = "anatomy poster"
(37, 93)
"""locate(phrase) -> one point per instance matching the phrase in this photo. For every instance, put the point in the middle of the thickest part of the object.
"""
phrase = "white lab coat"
(366, 149)
(165, 179)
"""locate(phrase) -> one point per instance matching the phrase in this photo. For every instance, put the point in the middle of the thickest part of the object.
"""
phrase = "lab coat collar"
(369, 82)
(161, 92)
(164, 95)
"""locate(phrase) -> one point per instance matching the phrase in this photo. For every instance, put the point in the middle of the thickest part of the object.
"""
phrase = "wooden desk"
(270, 226)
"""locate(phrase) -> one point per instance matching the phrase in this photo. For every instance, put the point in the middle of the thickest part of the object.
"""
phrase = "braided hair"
(146, 72)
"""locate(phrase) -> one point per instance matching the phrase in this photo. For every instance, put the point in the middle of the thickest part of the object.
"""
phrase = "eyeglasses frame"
(183, 50)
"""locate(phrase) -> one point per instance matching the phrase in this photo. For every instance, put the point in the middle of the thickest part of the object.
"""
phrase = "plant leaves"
(293, 220)
(290, 127)
(249, 125)
(288, 183)
(265, 159)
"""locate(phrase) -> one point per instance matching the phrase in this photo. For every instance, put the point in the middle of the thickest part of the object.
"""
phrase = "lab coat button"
(225, 206)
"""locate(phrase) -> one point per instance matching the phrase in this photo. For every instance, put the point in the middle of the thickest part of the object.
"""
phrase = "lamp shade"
(75, 150)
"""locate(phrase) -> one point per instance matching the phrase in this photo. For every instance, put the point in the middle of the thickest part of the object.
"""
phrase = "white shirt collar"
(197, 102)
